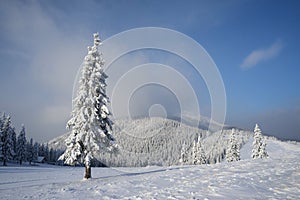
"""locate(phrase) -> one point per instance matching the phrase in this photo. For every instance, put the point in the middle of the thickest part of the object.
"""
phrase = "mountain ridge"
(158, 141)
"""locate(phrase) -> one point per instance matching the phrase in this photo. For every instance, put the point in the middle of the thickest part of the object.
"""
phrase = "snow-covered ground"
(277, 177)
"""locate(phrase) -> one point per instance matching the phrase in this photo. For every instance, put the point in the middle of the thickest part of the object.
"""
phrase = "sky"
(254, 44)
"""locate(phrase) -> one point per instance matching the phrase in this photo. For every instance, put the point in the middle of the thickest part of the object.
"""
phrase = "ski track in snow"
(277, 177)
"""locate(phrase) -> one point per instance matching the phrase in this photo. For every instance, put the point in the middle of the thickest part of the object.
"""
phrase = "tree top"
(97, 40)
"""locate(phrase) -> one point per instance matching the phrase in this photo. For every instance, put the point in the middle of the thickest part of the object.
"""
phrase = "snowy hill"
(157, 141)
(277, 177)
(59, 142)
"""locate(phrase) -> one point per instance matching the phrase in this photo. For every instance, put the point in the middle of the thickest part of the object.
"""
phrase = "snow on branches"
(7, 132)
(90, 123)
(259, 144)
(233, 150)
(197, 154)
(21, 145)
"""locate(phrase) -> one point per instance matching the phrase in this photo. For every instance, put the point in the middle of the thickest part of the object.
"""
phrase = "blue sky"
(255, 45)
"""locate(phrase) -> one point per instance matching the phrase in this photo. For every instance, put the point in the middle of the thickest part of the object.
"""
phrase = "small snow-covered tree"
(233, 150)
(13, 140)
(183, 155)
(90, 123)
(52, 155)
(259, 146)
(194, 153)
(1, 132)
(2, 118)
(46, 153)
(256, 142)
(6, 140)
(35, 151)
(201, 157)
(263, 152)
(21, 146)
(30, 151)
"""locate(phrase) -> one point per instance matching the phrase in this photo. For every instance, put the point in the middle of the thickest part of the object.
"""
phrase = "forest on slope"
(158, 141)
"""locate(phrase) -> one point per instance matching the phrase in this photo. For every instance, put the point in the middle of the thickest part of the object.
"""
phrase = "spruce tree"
(52, 155)
(233, 150)
(30, 151)
(194, 153)
(263, 152)
(90, 124)
(35, 151)
(201, 157)
(1, 132)
(259, 145)
(21, 146)
(13, 140)
(6, 140)
(47, 153)
(183, 155)
(41, 150)
(256, 142)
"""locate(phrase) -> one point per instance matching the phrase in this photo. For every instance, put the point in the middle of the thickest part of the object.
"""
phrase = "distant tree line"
(16, 148)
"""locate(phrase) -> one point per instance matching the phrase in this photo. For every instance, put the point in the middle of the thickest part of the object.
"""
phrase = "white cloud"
(45, 58)
(260, 55)
(45, 44)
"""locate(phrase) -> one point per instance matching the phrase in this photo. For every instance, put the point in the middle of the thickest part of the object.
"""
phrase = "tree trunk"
(4, 162)
(87, 172)
(20, 162)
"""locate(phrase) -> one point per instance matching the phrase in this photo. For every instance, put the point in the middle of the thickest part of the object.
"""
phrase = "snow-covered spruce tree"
(35, 151)
(259, 145)
(263, 152)
(183, 155)
(41, 150)
(6, 142)
(21, 146)
(90, 123)
(201, 158)
(54, 155)
(233, 150)
(1, 132)
(46, 153)
(256, 142)
(13, 140)
(194, 153)
(30, 151)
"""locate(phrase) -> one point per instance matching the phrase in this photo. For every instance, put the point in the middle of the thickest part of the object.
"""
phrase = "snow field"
(277, 177)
